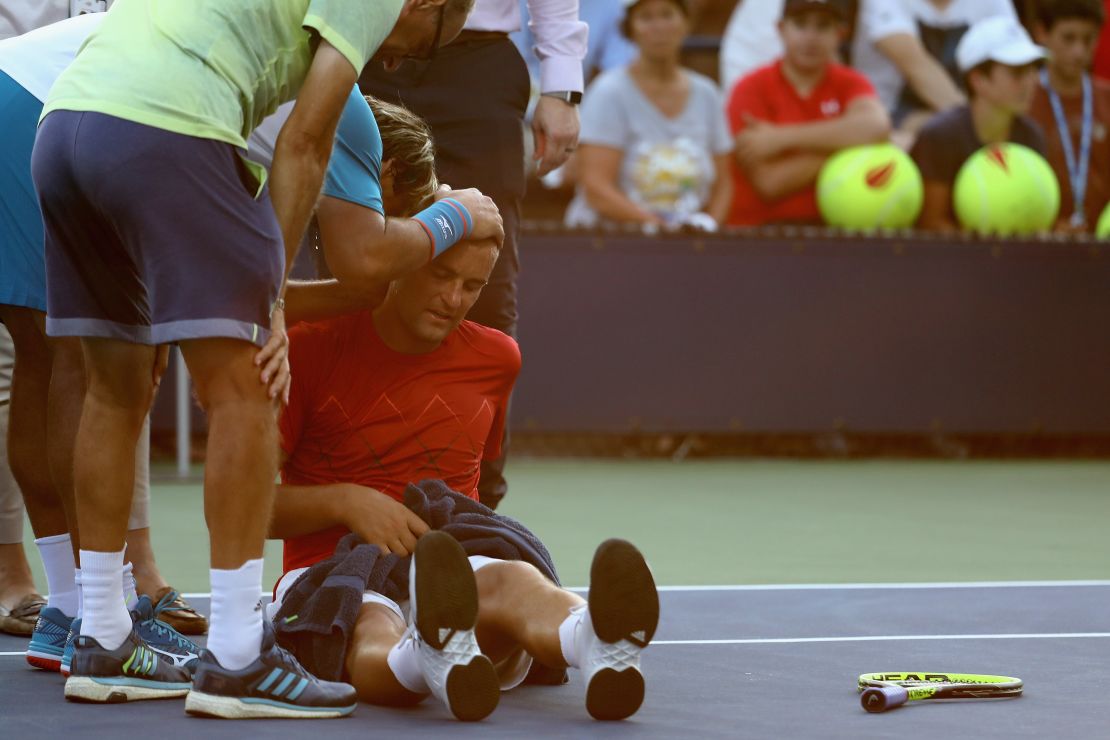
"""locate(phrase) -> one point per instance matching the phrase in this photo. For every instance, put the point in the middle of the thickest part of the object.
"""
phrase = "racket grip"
(881, 698)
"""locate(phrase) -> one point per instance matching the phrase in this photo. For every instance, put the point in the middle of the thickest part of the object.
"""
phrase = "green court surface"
(747, 522)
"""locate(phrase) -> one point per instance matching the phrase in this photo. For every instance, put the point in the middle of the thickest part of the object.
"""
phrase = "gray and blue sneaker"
(162, 638)
(67, 656)
(48, 641)
(274, 686)
(131, 672)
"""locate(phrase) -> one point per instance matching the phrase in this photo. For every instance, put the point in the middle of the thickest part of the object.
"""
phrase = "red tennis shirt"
(767, 95)
(362, 413)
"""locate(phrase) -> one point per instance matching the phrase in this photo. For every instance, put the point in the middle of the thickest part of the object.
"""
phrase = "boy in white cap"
(999, 62)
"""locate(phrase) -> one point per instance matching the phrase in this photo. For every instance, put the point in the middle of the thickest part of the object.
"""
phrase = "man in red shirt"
(412, 391)
(790, 116)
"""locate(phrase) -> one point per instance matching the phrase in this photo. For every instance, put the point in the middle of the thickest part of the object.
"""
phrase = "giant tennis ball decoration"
(1102, 231)
(876, 186)
(1006, 189)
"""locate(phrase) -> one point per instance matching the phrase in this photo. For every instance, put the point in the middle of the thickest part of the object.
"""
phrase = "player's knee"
(506, 577)
(236, 382)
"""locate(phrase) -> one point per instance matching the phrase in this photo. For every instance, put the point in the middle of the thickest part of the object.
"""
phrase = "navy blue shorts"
(152, 237)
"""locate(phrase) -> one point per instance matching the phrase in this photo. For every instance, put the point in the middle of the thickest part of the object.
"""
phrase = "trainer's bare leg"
(242, 452)
(120, 391)
(63, 415)
(377, 630)
(518, 606)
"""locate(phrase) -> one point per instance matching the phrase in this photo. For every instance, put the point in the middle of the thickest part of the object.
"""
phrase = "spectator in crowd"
(907, 49)
(1073, 109)
(789, 116)
(654, 143)
(999, 64)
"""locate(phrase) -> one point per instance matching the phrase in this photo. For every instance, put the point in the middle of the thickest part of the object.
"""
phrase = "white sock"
(80, 593)
(104, 617)
(579, 618)
(130, 595)
(235, 632)
(404, 661)
(57, 561)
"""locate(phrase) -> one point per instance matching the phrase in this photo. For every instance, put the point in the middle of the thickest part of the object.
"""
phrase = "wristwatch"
(567, 96)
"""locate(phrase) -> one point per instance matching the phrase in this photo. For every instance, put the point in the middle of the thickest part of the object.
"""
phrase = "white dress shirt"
(560, 37)
(751, 40)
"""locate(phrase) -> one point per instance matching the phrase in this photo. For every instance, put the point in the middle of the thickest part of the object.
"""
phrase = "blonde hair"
(407, 141)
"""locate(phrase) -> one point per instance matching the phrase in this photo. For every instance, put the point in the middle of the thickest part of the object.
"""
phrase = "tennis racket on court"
(882, 691)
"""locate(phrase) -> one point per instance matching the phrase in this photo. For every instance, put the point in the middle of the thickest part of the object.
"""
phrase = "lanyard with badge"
(1077, 170)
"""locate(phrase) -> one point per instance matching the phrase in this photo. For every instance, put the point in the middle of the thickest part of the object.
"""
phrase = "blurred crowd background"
(715, 113)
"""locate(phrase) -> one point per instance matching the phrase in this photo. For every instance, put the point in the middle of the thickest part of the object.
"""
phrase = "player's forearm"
(402, 247)
(301, 510)
(851, 129)
(296, 178)
(785, 176)
(316, 300)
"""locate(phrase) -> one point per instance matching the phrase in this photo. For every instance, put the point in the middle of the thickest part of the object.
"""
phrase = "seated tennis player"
(407, 392)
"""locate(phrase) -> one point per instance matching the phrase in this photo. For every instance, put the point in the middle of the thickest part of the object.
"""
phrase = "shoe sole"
(446, 598)
(200, 704)
(44, 661)
(473, 690)
(624, 605)
(90, 690)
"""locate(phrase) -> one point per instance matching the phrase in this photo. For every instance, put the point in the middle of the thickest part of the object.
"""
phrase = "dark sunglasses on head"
(429, 54)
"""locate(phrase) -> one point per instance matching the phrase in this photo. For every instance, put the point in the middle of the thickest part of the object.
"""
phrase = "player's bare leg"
(518, 606)
(377, 630)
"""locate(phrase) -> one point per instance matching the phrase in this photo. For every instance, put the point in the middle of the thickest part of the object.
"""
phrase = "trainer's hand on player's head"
(555, 128)
(380, 520)
(274, 359)
(487, 219)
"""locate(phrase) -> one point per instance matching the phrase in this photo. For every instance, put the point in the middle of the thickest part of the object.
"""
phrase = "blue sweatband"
(447, 222)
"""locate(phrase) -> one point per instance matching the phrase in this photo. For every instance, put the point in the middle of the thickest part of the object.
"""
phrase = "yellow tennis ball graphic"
(1102, 230)
(1006, 189)
(876, 186)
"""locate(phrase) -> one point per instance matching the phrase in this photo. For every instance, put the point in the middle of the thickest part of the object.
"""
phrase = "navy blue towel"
(319, 611)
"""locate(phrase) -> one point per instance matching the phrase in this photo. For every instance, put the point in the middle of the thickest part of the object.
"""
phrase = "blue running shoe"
(162, 638)
(131, 672)
(275, 686)
(48, 641)
(67, 656)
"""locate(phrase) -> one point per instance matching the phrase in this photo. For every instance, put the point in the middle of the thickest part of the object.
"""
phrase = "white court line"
(887, 638)
(836, 586)
(857, 638)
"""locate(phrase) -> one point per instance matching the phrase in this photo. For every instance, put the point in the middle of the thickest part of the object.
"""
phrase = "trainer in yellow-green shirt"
(212, 68)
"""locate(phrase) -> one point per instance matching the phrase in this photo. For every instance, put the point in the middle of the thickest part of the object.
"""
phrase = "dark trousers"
(474, 95)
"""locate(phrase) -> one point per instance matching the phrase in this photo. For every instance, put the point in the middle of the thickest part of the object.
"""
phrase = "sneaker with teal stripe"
(131, 672)
(48, 641)
(67, 656)
(162, 638)
(274, 686)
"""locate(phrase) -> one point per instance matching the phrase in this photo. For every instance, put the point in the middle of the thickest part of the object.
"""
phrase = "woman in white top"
(654, 146)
